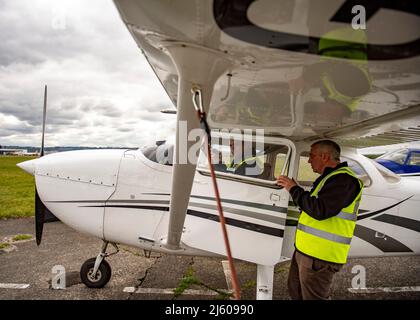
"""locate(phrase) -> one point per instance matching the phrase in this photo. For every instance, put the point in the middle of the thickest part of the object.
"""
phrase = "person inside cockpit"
(242, 160)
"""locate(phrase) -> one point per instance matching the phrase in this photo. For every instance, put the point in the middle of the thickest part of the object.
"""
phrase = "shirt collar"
(328, 170)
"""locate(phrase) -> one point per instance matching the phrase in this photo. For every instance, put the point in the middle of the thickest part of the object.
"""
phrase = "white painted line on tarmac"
(14, 285)
(385, 289)
(169, 291)
(228, 274)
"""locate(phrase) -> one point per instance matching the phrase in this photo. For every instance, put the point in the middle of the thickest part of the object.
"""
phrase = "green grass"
(4, 245)
(21, 237)
(189, 280)
(17, 189)
(250, 284)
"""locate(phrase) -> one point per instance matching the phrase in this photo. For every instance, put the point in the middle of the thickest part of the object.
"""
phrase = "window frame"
(250, 180)
(388, 175)
(416, 154)
(389, 156)
(367, 173)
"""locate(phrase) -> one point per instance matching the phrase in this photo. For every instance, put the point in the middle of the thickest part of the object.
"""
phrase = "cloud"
(107, 109)
(101, 90)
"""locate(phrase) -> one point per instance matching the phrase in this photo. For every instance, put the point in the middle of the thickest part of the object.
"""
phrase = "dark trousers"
(310, 278)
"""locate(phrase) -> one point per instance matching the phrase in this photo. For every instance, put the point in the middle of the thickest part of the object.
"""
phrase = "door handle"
(275, 197)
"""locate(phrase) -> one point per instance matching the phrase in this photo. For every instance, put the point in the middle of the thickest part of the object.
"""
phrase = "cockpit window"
(161, 153)
(263, 162)
(414, 159)
(306, 176)
(398, 156)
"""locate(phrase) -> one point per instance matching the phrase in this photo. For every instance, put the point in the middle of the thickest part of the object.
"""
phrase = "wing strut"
(183, 170)
(196, 66)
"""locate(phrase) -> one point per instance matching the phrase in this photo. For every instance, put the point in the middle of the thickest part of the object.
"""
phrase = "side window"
(414, 159)
(263, 164)
(281, 160)
(306, 176)
(359, 171)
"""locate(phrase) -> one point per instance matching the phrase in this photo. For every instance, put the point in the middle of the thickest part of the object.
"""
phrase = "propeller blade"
(42, 214)
(44, 115)
(39, 217)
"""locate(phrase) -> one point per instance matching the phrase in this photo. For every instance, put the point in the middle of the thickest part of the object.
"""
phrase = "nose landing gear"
(96, 272)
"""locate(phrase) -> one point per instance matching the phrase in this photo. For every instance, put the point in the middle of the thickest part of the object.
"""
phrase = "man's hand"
(286, 182)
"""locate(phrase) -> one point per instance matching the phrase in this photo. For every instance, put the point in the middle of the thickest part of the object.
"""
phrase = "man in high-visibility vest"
(326, 224)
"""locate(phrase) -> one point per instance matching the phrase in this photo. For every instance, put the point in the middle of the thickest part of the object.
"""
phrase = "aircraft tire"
(102, 276)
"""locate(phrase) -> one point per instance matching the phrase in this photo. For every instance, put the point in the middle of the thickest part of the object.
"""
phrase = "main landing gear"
(96, 272)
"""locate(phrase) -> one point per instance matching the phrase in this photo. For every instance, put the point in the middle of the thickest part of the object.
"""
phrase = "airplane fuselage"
(121, 196)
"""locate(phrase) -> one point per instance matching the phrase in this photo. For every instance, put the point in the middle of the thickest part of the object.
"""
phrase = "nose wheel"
(96, 279)
(96, 272)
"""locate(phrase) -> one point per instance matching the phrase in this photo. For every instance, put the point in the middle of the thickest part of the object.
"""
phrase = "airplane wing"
(303, 70)
(396, 127)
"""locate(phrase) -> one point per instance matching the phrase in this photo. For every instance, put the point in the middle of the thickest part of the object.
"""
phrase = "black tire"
(102, 275)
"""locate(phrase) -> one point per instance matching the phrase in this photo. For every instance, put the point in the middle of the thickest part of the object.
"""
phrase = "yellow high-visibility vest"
(329, 239)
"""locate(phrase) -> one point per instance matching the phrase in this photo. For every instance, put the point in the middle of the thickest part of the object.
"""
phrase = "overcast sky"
(101, 90)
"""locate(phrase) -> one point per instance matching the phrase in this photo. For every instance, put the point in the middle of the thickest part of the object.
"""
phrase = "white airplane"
(297, 69)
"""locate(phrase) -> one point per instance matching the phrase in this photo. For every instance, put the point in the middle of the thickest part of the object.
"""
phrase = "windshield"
(387, 174)
(398, 156)
(162, 152)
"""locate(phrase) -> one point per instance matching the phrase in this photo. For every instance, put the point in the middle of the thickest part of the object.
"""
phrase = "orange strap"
(204, 125)
(235, 283)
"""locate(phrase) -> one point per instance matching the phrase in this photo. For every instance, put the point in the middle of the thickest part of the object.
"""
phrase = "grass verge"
(17, 189)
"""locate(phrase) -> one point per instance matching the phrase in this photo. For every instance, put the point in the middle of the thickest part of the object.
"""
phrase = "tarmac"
(26, 272)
